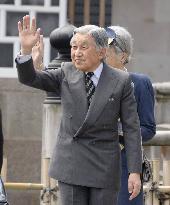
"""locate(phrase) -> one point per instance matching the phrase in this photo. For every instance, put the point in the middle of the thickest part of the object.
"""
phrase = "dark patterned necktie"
(90, 88)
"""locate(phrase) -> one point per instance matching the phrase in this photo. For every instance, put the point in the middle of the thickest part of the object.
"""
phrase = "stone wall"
(149, 24)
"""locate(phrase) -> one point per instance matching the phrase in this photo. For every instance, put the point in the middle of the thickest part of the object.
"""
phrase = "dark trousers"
(80, 195)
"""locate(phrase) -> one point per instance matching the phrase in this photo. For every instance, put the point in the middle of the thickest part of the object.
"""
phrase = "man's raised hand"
(28, 34)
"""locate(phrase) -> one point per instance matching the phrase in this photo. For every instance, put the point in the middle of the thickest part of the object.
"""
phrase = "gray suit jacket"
(87, 149)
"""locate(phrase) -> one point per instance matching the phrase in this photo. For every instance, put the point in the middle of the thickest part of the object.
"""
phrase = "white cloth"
(23, 58)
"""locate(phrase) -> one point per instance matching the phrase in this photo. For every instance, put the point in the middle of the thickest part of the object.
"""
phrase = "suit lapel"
(104, 90)
(107, 83)
(77, 87)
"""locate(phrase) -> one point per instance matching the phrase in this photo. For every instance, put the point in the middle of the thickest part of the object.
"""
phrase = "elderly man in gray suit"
(86, 157)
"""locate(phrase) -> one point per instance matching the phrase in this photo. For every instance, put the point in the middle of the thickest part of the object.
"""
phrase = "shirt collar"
(98, 71)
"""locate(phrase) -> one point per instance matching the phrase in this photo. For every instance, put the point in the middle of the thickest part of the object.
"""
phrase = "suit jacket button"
(111, 99)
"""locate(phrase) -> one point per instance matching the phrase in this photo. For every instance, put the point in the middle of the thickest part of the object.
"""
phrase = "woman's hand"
(38, 54)
(28, 34)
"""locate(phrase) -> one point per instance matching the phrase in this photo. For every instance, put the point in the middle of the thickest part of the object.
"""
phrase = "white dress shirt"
(97, 73)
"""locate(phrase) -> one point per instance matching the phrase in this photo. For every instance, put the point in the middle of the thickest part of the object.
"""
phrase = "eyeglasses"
(112, 38)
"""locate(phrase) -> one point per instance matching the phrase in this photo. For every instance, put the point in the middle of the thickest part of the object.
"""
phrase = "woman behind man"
(118, 55)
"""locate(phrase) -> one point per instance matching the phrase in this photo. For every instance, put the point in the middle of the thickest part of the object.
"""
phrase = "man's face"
(84, 54)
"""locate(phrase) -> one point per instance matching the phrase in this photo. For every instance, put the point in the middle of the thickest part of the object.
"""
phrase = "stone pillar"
(163, 123)
(60, 40)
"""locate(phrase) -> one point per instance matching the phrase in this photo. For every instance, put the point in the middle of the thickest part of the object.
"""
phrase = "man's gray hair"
(124, 40)
(97, 33)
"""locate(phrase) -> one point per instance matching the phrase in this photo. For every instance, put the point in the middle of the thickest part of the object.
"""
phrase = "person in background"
(1, 142)
(118, 55)
(86, 157)
(3, 195)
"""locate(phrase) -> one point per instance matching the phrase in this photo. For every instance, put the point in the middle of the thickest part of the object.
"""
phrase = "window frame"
(61, 10)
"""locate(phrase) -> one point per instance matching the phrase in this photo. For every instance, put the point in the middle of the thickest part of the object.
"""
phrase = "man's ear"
(102, 53)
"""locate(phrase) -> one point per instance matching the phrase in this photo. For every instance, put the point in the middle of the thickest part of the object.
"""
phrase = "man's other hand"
(134, 185)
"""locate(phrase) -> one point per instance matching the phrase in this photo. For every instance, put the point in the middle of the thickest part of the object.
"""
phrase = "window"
(96, 12)
(49, 15)
(6, 59)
